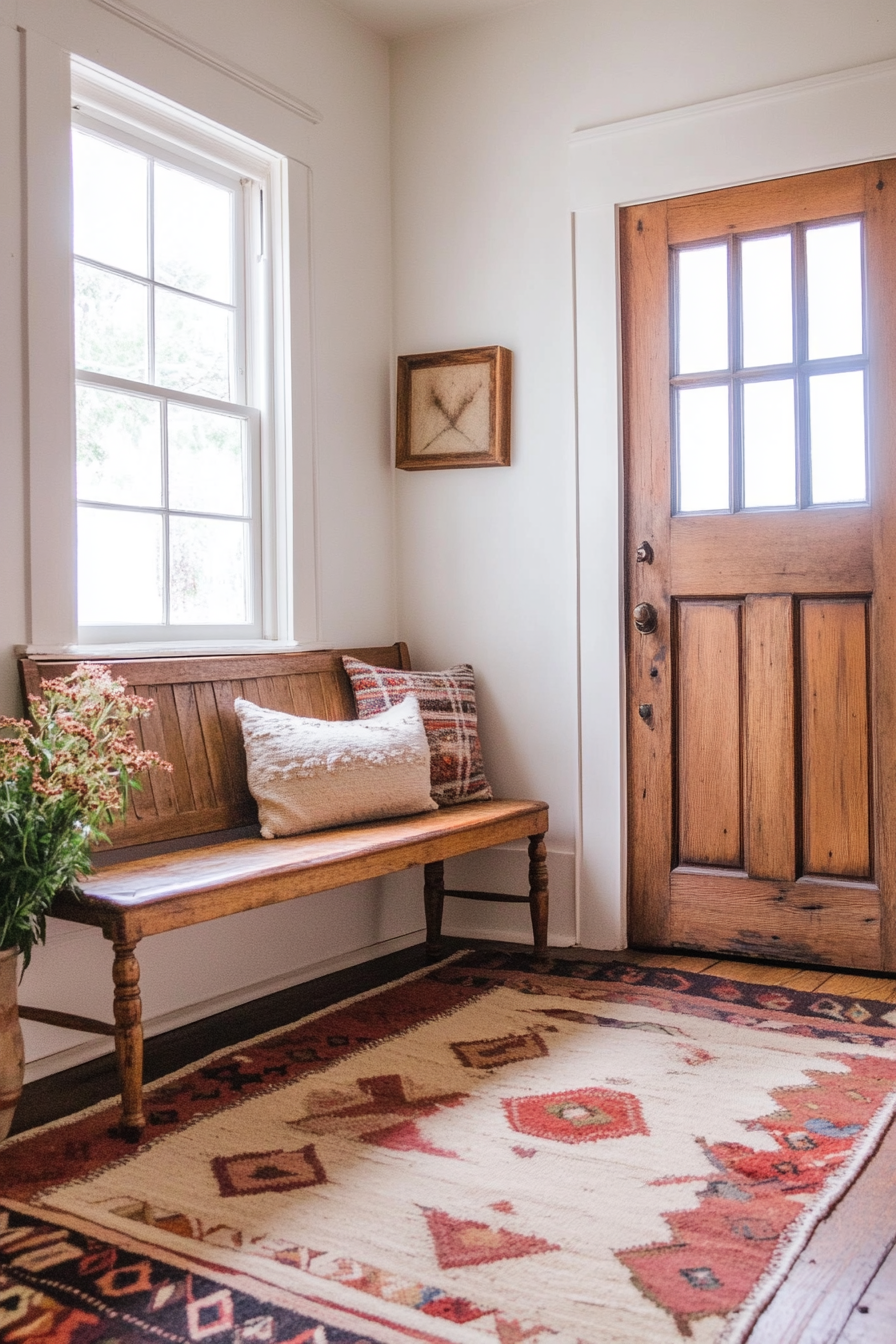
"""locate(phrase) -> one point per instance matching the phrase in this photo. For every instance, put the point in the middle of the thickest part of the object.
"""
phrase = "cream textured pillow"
(308, 774)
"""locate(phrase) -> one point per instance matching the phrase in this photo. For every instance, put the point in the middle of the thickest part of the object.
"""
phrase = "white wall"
(487, 561)
(329, 61)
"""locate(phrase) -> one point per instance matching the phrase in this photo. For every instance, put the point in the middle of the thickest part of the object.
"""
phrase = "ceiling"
(400, 18)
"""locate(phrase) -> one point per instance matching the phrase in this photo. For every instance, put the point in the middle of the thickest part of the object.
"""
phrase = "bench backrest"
(193, 725)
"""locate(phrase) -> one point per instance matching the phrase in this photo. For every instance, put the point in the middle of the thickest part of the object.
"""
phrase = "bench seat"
(206, 805)
(129, 901)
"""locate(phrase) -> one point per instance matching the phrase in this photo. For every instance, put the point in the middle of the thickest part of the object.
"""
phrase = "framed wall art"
(453, 409)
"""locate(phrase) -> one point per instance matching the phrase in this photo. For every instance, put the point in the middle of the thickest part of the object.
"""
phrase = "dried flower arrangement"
(64, 775)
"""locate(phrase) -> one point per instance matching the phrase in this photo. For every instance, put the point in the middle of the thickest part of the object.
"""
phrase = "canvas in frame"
(453, 409)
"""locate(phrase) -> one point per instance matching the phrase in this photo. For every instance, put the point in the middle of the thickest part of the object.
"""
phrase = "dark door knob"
(645, 618)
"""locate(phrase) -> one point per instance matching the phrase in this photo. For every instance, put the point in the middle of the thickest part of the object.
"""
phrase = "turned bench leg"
(538, 891)
(434, 894)
(129, 1037)
(433, 901)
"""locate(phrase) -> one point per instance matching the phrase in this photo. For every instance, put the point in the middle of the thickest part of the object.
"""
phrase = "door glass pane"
(209, 572)
(837, 434)
(194, 341)
(110, 323)
(703, 308)
(119, 567)
(769, 444)
(767, 300)
(834, 278)
(193, 237)
(702, 449)
(206, 461)
(110, 216)
(119, 447)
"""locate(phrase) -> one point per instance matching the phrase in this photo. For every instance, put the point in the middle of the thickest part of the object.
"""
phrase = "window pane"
(110, 323)
(206, 461)
(209, 572)
(703, 309)
(119, 447)
(769, 444)
(767, 297)
(702, 449)
(834, 276)
(193, 345)
(193, 238)
(110, 216)
(119, 568)
(837, 429)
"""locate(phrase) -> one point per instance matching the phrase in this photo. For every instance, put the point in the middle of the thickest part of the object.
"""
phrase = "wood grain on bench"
(153, 895)
(194, 726)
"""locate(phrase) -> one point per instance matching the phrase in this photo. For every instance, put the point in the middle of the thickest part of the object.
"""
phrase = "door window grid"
(213, 542)
(707, 480)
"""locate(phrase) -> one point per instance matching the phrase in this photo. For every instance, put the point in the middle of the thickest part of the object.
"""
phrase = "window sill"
(160, 649)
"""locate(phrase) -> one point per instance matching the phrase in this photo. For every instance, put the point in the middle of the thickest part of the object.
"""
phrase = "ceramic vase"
(12, 1047)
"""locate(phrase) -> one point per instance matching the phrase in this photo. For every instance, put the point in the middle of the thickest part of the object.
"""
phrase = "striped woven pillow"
(448, 705)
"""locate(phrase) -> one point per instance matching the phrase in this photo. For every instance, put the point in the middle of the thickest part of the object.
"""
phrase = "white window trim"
(290, 608)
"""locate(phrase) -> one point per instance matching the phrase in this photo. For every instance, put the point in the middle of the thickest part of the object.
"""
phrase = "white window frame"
(54, 80)
(102, 106)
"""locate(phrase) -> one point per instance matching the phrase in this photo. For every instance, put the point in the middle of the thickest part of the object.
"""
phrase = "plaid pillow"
(448, 704)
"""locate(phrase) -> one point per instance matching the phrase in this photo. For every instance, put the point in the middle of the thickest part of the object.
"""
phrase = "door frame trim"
(828, 121)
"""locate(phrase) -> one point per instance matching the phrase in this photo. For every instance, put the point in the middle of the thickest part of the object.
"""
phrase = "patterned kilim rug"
(487, 1153)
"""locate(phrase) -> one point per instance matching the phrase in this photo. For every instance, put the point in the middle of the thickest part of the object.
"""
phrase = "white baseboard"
(181, 1017)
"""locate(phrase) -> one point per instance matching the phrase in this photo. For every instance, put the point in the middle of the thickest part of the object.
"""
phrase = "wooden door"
(762, 706)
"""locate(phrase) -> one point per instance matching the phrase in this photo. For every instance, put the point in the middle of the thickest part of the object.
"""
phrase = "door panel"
(709, 734)
(762, 708)
(771, 737)
(828, 551)
(823, 922)
(835, 748)
(766, 205)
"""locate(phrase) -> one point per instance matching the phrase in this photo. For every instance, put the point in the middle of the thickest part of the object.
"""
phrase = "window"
(173, 389)
(770, 370)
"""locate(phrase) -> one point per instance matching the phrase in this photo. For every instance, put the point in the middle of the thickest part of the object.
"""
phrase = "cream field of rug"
(492, 1152)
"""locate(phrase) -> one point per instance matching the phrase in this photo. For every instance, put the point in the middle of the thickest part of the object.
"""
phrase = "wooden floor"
(842, 1289)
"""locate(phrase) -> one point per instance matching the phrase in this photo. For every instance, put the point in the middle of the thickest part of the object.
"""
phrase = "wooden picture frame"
(453, 409)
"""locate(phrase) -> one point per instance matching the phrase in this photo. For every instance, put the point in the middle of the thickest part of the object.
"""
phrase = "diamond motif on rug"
(577, 1117)
(257, 1173)
(461, 1241)
(494, 1054)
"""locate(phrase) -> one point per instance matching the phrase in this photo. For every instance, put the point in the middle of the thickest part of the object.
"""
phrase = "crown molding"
(122, 9)
(773, 94)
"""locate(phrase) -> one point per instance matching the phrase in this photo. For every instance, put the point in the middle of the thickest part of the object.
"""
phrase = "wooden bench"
(193, 725)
